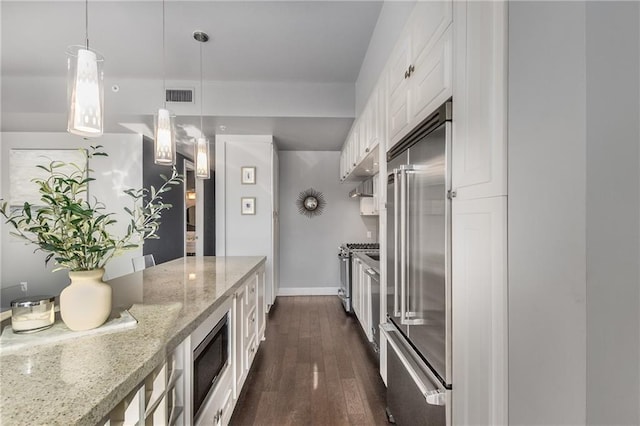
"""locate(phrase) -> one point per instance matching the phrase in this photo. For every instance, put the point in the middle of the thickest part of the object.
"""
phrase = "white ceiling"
(314, 42)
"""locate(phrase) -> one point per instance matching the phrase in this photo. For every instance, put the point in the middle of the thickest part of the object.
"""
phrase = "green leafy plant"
(76, 232)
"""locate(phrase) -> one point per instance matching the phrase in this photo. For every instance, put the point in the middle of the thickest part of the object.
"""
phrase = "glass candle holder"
(31, 314)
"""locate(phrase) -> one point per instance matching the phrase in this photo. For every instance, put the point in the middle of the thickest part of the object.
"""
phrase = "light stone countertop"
(79, 381)
(375, 264)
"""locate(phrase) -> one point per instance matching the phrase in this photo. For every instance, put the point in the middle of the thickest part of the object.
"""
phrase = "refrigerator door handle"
(409, 317)
(403, 244)
(396, 269)
(430, 387)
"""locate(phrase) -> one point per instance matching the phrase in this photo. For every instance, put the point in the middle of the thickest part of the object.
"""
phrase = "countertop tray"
(10, 341)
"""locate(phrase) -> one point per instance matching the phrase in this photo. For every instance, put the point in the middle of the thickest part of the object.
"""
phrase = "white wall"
(309, 246)
(546, 229)
(574, 213)
(121, 170)
(613, 213)
(392, 18)
(237, 234)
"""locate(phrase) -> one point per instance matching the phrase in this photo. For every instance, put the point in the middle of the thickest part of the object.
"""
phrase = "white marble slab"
(11, 341)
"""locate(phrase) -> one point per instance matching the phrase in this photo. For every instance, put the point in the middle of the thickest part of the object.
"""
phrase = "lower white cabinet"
(238, 342)
(480, 311)
(361, 296)
(164, 397)
(219, 405)
(160, 398)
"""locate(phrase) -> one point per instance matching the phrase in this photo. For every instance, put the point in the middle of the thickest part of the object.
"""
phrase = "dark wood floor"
(313, 369)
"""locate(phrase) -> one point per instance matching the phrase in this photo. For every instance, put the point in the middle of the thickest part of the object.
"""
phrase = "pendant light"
(85, 87)
(164, 146)
(202, 144)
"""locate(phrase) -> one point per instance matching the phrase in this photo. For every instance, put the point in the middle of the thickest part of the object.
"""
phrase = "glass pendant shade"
(202, 159)
(165, 141)
(85, 92)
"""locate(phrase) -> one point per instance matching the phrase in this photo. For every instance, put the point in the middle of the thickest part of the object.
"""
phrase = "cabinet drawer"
(251, 291)
(216, 401)
(250, 353)
(250, 324)
(227, 408)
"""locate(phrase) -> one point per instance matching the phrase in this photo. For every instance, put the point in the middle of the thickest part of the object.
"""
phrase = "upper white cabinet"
(360, 157)
(420, 68)
(479, 166)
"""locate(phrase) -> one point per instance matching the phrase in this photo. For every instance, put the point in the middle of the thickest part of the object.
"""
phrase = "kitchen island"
(80, 381)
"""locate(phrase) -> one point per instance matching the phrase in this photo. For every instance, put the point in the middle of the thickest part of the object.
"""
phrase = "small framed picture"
(248, 205)
(248, 175)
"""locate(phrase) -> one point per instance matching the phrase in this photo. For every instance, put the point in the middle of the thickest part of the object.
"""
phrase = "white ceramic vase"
(86, 302)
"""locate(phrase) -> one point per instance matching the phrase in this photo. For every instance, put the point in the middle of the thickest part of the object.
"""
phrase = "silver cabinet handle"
(434, 394)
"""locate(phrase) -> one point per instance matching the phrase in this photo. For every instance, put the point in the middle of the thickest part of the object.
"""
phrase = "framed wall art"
(248, 175)
(248, 205)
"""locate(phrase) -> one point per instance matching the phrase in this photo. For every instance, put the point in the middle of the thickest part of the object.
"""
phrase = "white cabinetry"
(479, 167)
(479, 308)
(261, 323)
(246, 320)
(239, 343)
(361, 296)
(420, 68)
(360, 158)
(161, 398)
(480, 311)
(164, 397)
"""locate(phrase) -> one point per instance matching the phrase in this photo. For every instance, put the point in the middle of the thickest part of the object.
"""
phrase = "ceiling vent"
(179, 95)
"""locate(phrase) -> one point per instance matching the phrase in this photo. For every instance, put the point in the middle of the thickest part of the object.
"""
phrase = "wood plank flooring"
(313, 369)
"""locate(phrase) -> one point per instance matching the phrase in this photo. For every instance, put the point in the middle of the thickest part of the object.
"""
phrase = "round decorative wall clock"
(311, 202)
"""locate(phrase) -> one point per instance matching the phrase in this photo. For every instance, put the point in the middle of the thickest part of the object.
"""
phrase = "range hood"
(365, 189)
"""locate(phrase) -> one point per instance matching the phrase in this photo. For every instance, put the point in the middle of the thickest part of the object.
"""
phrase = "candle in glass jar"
(32, 313)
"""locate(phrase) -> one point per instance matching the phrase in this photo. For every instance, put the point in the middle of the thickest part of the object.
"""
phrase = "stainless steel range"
(344, 256)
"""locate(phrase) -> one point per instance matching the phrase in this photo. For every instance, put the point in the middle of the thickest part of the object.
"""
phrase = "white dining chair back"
(143, 262)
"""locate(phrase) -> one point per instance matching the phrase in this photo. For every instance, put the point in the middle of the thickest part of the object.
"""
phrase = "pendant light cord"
(164, 66)
(86, 22)
(201, 94)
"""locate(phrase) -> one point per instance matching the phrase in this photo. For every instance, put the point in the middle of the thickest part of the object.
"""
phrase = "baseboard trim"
(308, 291)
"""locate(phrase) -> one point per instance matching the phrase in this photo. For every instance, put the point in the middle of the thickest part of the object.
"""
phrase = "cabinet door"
(479, 311)
(428, 22)
(397, 89)
(355, 286)
(479, 166)
(357, 144)
(431, 80)
(240, 309)
(371, 123)
(260, 276)
(366, 301)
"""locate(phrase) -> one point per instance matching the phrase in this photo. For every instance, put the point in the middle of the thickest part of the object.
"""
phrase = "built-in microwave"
(210, 358)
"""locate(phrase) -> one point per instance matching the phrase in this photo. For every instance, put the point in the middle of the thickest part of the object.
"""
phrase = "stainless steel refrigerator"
(418, 323)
